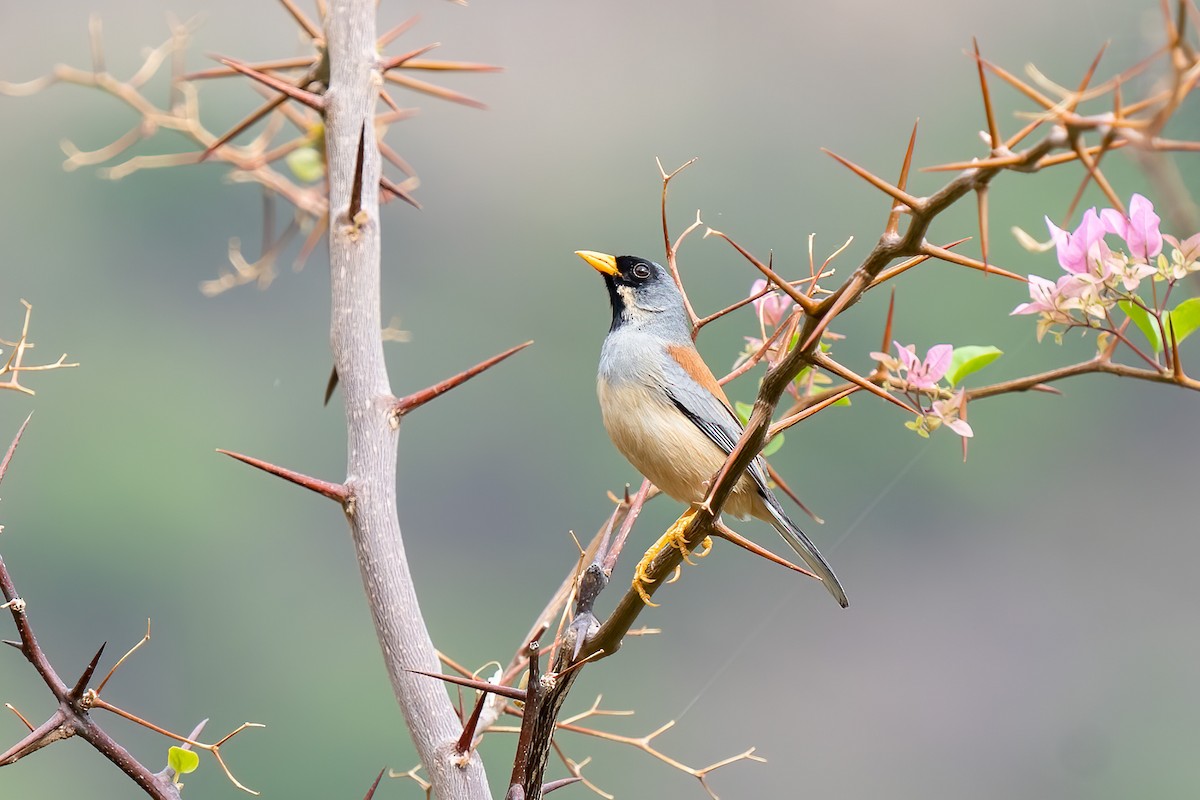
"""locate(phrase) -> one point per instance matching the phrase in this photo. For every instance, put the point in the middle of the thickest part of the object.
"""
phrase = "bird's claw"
(674, 537)
(640, 577)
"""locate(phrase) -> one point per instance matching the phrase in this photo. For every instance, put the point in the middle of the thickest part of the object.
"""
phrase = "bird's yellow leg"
(674, 537)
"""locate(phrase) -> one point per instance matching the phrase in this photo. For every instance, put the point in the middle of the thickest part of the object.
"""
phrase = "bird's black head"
(640, 290)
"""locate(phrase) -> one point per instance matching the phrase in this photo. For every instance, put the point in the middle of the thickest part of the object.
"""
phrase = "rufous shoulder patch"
(688, 358)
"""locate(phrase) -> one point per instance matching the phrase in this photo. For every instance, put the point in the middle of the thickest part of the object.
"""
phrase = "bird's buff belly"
(666, 447)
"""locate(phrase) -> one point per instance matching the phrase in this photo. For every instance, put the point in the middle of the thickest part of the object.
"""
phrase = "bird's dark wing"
(687, 378)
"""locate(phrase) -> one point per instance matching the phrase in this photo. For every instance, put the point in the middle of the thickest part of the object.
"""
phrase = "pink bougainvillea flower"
(1185, 256)
(1079, 250)
(1043, 296)
(924, 374)
(948, 412)
(1139, 230)
(1055, 302)
(1130, 273)
(772, 307)
(1189, 249)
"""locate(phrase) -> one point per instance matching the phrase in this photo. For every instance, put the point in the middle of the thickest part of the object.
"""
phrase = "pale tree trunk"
(354, 259)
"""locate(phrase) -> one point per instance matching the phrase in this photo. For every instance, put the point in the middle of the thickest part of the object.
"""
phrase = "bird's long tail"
(804, 548)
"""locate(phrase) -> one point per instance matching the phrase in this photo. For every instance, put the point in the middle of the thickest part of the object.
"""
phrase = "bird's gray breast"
(629, 356)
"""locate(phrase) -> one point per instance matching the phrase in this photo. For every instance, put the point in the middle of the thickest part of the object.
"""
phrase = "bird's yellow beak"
(601, 262)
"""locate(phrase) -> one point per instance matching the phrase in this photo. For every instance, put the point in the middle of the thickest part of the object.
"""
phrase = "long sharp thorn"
(463, 745)
(417, 399)
(879, 183)
(356, 188)
(547, 788)
(371, 792)
(965, 439)
(391, 35)
(81, 685)
(12, 448)
(304, 22)
(977, 163)
(845, 373)
(394, 157)
(993, 129)
(395, 188)
(800, 416)
(981, 195)
(1176, 362)
(16, 645)
(1098, 176)
(778, 480)
(263, 66)
(1020, 135)
(334, 491)
(313, 101)
(398, 61)
(254, 117)
(1087, 78)
(731, 536)
(1019, 85)
(331, 385)
(511, 692)
(434, 65)
(804, 301)
(965, 261)
(887, 326)
(425, 87)
(1071, 155)
(893, 223)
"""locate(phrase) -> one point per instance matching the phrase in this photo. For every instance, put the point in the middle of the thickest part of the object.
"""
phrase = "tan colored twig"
(14, 365)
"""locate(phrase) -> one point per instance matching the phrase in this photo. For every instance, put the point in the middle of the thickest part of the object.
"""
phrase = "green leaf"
(773, 445)
(182, 761)
(845, 401)
(970, 358)
(307, 164)
(1146, 323)
(1185, 318)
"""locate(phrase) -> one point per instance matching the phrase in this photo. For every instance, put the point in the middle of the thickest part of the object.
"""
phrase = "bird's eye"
(641, 271)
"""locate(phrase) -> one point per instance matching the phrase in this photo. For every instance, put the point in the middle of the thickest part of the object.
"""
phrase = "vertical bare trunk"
(354, 257)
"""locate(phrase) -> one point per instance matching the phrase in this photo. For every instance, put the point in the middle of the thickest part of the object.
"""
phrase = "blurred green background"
(1021, 625)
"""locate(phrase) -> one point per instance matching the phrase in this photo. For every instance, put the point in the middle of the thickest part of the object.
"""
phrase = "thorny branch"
(15, 364)
(72, 717)
(898, 249)
(289, 166)
(1066, 129)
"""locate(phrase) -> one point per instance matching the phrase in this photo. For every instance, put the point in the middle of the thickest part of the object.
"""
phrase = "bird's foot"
(674, 537)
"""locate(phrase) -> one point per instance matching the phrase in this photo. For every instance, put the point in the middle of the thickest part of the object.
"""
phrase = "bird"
(665, 411)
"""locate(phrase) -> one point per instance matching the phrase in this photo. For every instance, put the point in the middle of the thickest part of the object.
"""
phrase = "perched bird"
(665, 411)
